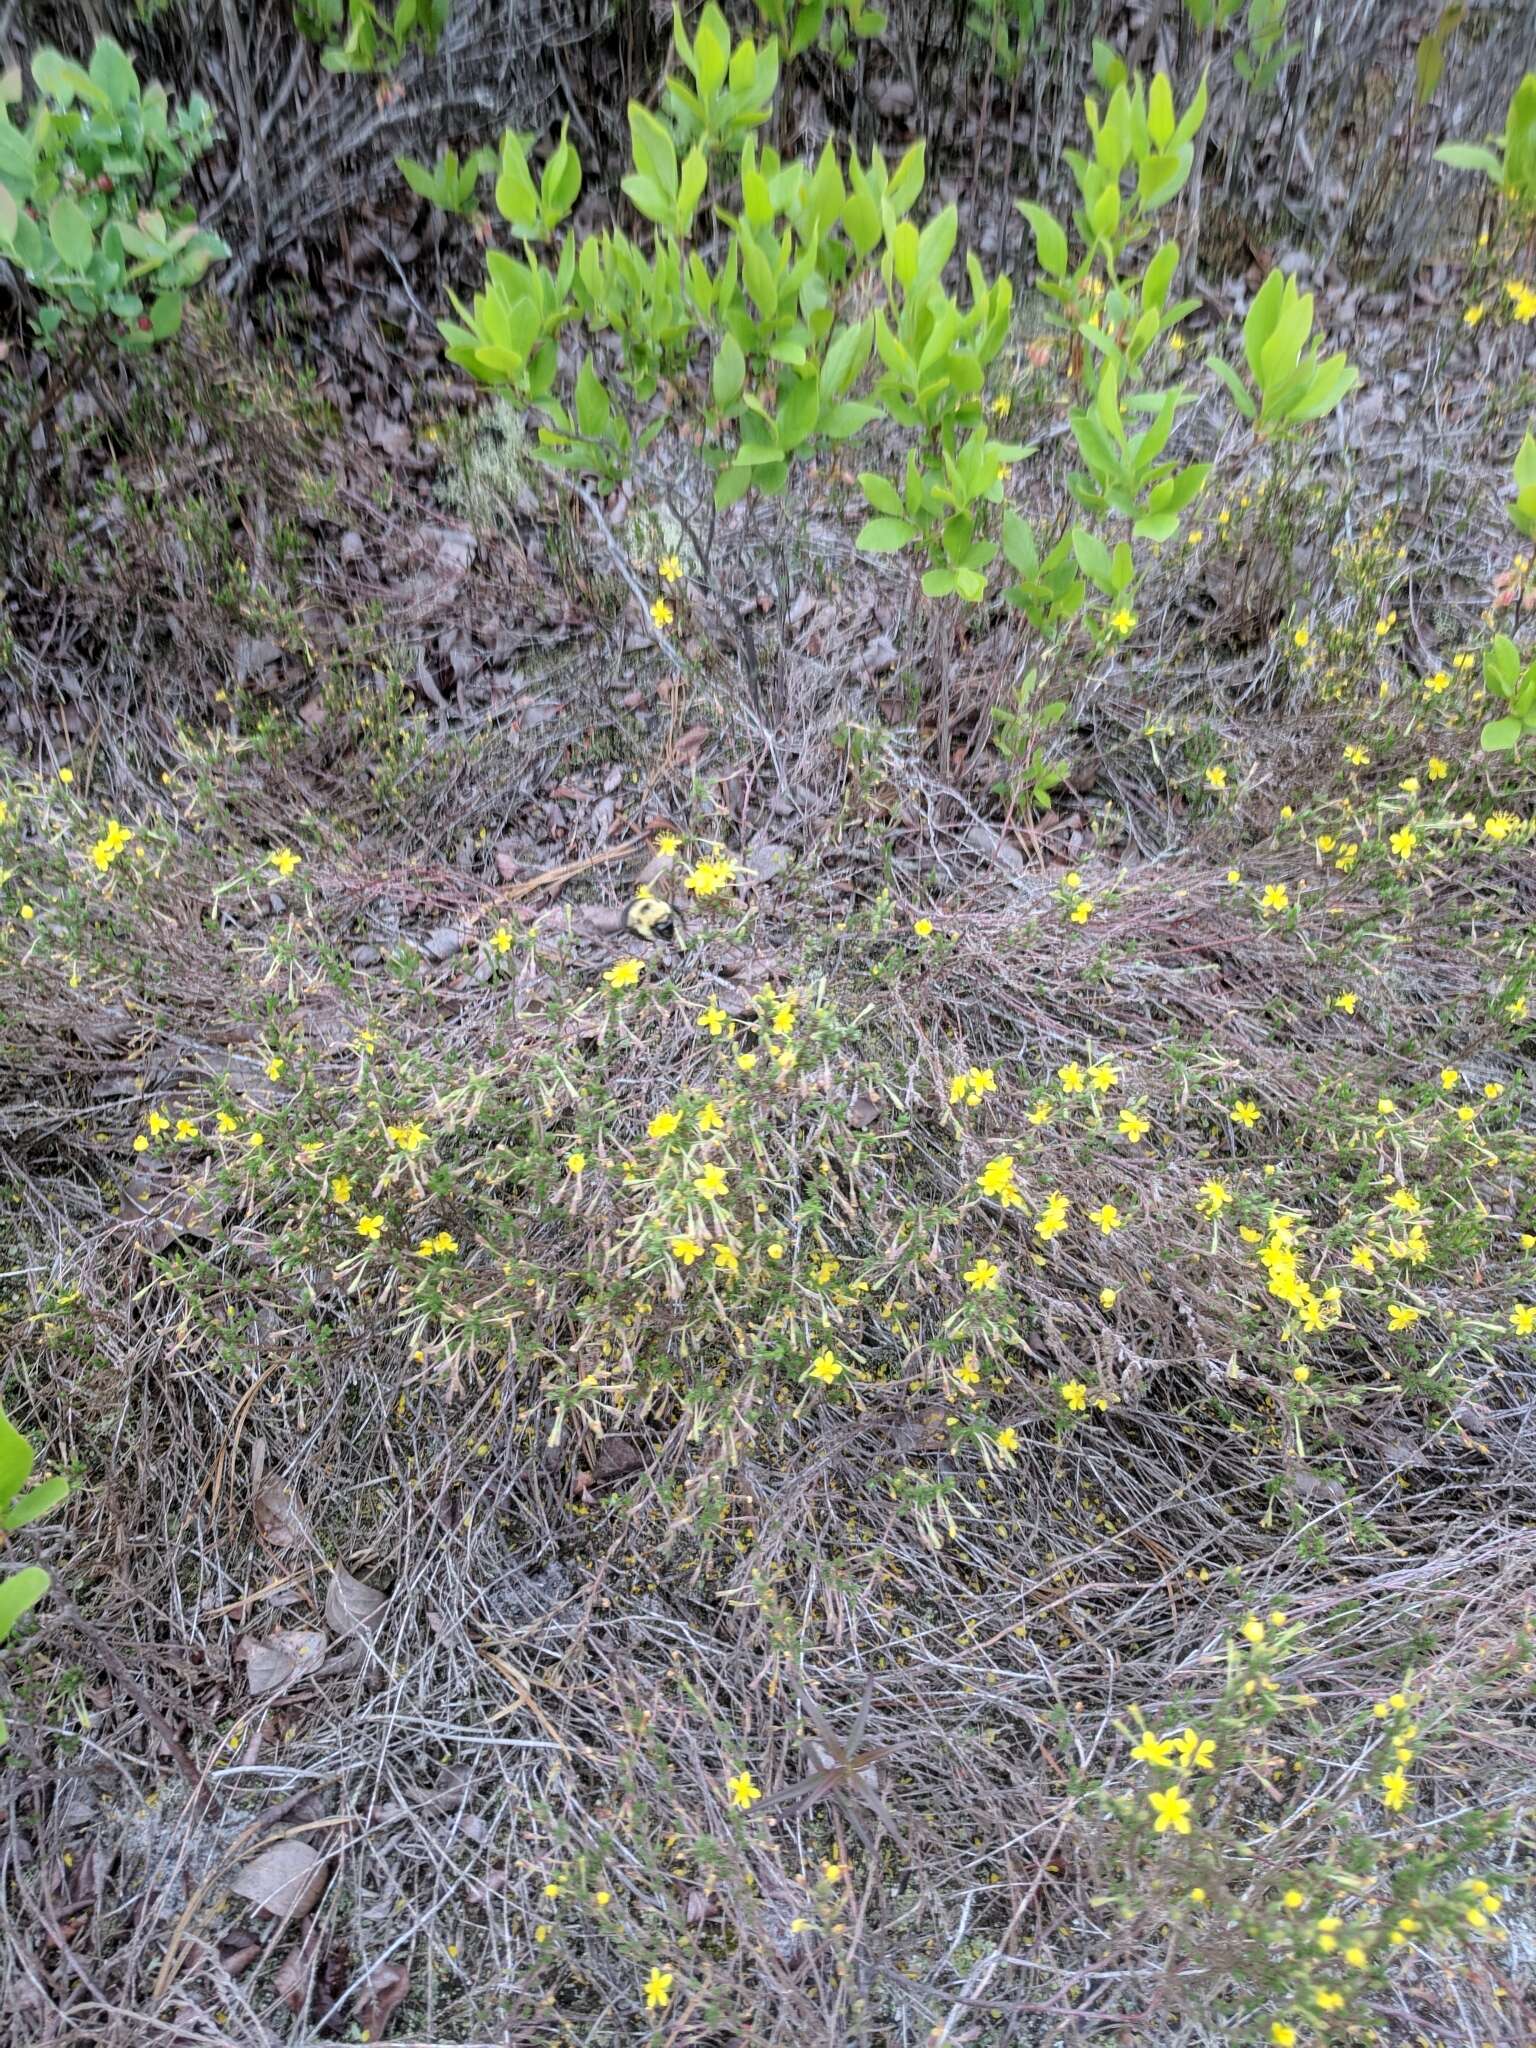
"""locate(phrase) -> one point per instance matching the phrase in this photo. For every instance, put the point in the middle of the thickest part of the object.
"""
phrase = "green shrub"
(20, 1505)
(357, 35)
(1512, 167)
(449, 185)
(91, 213)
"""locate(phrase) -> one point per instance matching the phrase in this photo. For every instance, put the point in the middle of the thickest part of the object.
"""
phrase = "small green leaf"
(1050, 239)
(885, 536)
(71, 233)
(729, 373)
(1468, 156)
(1234, 384)
(20, 1591)
(1500, 734)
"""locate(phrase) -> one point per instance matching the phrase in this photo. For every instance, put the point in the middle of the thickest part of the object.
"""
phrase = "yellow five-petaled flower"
(743, 1790)
(1173, 1810)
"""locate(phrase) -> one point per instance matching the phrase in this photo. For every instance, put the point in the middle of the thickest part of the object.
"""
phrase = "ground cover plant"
(769, 1258)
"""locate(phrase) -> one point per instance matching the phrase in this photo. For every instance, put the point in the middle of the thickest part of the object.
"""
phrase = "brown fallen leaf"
(352, 1608)
(285, 1880)
(295, 1975)
(159, 1211)
(275, 1510)
(386, 1986)
(277, 1660)
(238, 1950)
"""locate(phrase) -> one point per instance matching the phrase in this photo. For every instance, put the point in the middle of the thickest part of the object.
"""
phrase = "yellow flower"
(1132, 1126)
(501, 939)
(1253, 1631)
(275, 1069)
(997, 1179)
(661, 612)
(1075, 1394)
(1472, 315)
(1082, 910)
(825, 1368)
(1007, 1441)
(1103, 1077)
(923, 926)
(1357, 757)
(1384, 626)
(710, 1118)
(1108, 1218)
(433, 1247)
(974, 1084)
(711, 877)
(1302, 635)
(1294, 1899)
(1394, 1790)
(713, 1020)
(409, 1137)
(624, 973)
(663, 1123)
(1276, 898)
(66, 776)
(1402, 843)
(1072, 1078)
(1346, 1000)
(658, 1990)
(1155, 1750)
(686, 1249)
(1108, 1296)
(711, 1183)
(1216, 776)
(1400, 1316)
(576, 1162)
(1173, 1810)
(1282, 2035)
(1246, 1114)
(670, 569)
(1196, 1752)
(982, 1277)
(1123, 620)
(743, 1791)
(227, 1124)
(1213, 1197)
(1002, 405)
(284, 861)
(1522, 1319)
(341, 1189)
(1522, 302)
(1500, 825)
(726, 1259)
(1053, 1218)
(369, 1226)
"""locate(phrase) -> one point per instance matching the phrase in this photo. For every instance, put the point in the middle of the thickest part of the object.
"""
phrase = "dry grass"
(924, 1652)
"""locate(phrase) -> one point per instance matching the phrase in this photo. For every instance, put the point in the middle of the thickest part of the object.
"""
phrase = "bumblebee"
(650, 917)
